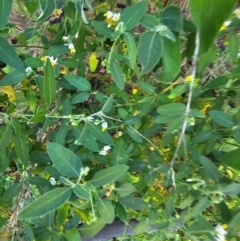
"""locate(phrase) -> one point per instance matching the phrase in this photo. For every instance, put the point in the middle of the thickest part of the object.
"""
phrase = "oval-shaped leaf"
(78, 82)
(9, 56)
(148, 56)
(100, 135)
(12, 191)
(117, 75)
(12, 78)
(102, 28)
(131, 16)
(5, 137)
(223, 119)
(80, 98)
(108, 105)
(173, 109)
(231, 158)
(210, 169)
(22, 148)
(81, 192)
(172, 18)
(133, 203)
(119, 154)
(126, 189)
(47, 203)
(108, 175)
(232, 189)
(134, 135)
(49, 85)
(131, 49)
(106, 210)
(5, 9)
(66, 162)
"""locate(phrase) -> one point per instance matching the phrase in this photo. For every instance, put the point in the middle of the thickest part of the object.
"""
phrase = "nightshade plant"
(120, 113)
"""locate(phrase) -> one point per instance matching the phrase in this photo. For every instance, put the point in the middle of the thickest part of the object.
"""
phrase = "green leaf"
(164, 119)
(49, 85)
(100, 135)
(210, 169)
(108, 175)
(12, 78)
(89, 142)
(57, 50)
(126, 189)
(147, 54)
(60, 135)
(12, 191)
(146, 87)
(178, 91)
(5, 9)
(173, 109)
(134, 135)
(92, 229)
(206, 59)
(66, 162)
(81, 192)
(233, 46)
(149, 21)
(47, 7)
(108, 105)
(72, 235)
(131, 49)
(132, 16)
(106, 210)
(3, 221)
(223, 119)
(39, 117)
(28, 232)
(5, 137)
(78, 82)
(171, 59)
(232, 189)
(199, 207)
(172, 18)
(102, 28)
(133, 203)
(117, 75)
(119, 155)
(208, 16)
(231, 158)
(47, 203)
(147, 107)
(80, 98)
(121, 212)
(34, 63)
(31, 99)
(22, 148)
(202, 136)
(216, 83)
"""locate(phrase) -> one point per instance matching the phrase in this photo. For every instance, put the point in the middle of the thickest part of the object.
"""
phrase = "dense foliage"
(112, 110)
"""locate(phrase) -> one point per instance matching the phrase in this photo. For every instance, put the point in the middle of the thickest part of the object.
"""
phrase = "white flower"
(71, 48)
(52, 60)
(76, 35)
(52, 181)
(29, 70)
(104, 126)
(105, 150)
(116, 17)
(109, 14)
(227, 23)
(65, 38)
(237, 12)
(221, 233)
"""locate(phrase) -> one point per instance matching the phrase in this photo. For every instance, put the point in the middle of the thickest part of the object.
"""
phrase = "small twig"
(186, 115)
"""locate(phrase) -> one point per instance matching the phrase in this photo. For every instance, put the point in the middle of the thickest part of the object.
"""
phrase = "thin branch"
(186, 115)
